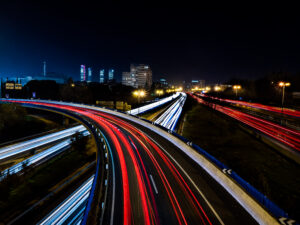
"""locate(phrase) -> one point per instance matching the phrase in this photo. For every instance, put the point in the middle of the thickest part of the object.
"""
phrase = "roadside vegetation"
(18, 191)
(271, 173)
(16, 122)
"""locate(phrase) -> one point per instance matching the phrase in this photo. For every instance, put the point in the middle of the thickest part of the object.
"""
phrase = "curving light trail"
(71, 210)
(152, 105)
(170, 117)
(282, 134)
(130, 154)
(40, 157)
(286, 111)
(150, 188)
(22, 147)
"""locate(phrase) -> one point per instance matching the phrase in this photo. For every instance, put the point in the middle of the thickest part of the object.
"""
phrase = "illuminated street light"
(236, 88)
(139, 94)
(179, 89)
(159, 92)
(217, 88)
(283, 85)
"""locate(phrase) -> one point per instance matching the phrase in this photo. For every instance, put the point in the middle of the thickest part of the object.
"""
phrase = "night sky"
(180, 42)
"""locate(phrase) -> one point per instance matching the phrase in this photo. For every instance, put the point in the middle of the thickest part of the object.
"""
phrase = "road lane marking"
(113, 180)
(153, 183)
(190, 179)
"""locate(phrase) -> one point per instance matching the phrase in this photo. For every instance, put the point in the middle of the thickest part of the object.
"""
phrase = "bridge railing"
(275, 210)
(257, 195)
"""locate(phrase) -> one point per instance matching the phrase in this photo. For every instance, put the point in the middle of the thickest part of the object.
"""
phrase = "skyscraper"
(110, 75)
(89, 74)
(129, 79)
(82, 73)
(44, 69)
(140, 76)
(101, 75)
(143, 75)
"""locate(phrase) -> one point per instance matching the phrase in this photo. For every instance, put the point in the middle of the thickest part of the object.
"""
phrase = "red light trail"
(284, 135)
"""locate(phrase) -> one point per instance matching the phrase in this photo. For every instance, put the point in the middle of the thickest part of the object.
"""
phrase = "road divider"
(153, 105)
(247, 196)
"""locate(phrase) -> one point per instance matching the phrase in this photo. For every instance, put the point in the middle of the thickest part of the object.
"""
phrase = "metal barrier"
(275, 210)
(262, 199)
(98, 182)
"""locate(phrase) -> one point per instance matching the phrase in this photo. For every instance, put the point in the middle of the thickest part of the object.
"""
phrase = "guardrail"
(153, 105)
(262, 199)
(275, 210)
(91, 210)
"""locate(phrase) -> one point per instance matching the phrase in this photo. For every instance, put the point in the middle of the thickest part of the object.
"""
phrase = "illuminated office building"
(129, 79)
(101, 75)
(140, 76)
(89, 74)
(82, 73)
(110, 75)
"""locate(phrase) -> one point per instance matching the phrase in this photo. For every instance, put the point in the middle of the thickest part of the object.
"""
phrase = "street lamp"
(236, 88)
(159, 92)
(139, 94)
(217, 88)
(283, 85)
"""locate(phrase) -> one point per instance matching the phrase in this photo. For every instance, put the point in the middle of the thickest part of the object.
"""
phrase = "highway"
(41, 157)
(22, 147)
(169, 118)
(154, 182)
(71, 210)
(153, 105)
(286, 117)
(286, 136)
(286, 111)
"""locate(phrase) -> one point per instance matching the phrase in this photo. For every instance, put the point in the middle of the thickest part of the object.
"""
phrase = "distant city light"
(82, 73)
(284, 84)
(159, 92)
(207, 88)
(217, 88)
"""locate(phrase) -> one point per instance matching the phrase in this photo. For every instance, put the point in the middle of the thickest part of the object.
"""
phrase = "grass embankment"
(16, 122)
(17, 192)
(271, 173)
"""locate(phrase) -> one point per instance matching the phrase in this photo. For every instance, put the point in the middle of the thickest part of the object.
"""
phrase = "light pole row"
(139, 94)
(283, 85)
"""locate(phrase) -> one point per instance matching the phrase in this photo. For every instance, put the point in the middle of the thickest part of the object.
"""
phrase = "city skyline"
(142, 113)
(191, 42)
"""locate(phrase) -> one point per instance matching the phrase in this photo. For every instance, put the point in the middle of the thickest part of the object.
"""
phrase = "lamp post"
(236, 88)
(139, 94)
(159, 92)
(283, 85)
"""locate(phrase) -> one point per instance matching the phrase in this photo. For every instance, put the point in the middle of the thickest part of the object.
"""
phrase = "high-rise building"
(163, 82)
(101, 75)
(140, 76)
(198, 83)
(110, 75)
(129, 79)
(89, 74)
(82, 73)
(44, 69)
(143, 76)
(202, 83)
